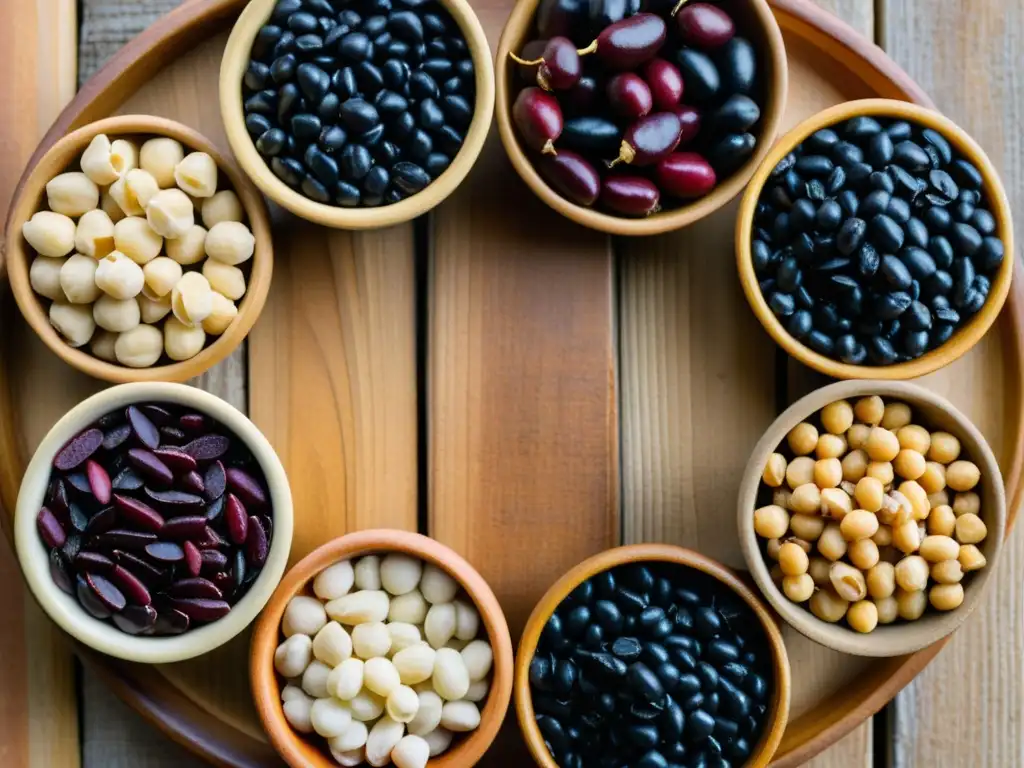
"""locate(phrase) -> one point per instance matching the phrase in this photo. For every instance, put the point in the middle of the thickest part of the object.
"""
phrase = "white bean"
(124, 198)
(158, 156)
(402, 704)
(141, 185)
(293, 655)
(292, 691)
(478, 691)
(223, 206)
(383, 738)
(334, 581)
(439, 740)
(78, 279)
(96, 162)
(303, 614)
(110, 206)
(353, 737)
(329, 717)
(415, 663)
(297, 713)
(439, 626)
(72, 193)
(451, 679)
(437, 586)
(380, 676)
(467, 621)
(460, 716)
(182, 342)
(478, 658)
(116, 315)
(137, 240)
(349, 759)
(50, 234)
(153, 310)
(400, 574)
(224, 279)
(409, 608)
(104, 344)
(95, 234)
(139, 347)
(230, 242)
(411, 752)
(189, 248)
(428, 715)
(332, 644)
(367, 572)
(118, 276)
(124, 155)
(314, 679)
(370, 640)
(44, 276)
(346, 679)
(161, 274)
(192, 299)
(366, 706)
(359, 607)
(403, 636)
(220, 318)
(170, 213)
(197, 174)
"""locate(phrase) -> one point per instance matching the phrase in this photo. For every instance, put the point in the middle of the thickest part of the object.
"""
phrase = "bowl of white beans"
(137, 251)
(382, 647)
(871, 515)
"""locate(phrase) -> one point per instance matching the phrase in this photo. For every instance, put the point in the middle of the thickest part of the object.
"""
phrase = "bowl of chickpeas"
(137, 251)
(871, 515)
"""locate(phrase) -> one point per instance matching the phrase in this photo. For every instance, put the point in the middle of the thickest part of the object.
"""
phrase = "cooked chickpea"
(911, 605)
(159, 156)
(862, 616)
(232, 243)
(72, 193)
(859, 524)
(774, 470)
(74, 322)
(137, 240)
(832, 544)
(970, 529)
(896, 415)
(881, 580)
(819, 568)
(914, 437)
(855, 465)
(828, 473)
(882, 472)
(119, 277)
(78, 279)
(945, 448)
(124, 197)
(771, 522)
(882, 445)
(798, 588)
(124, 156)
(888, 609)
(869, 410)
(139, 347)
(197, 174)
(830, 446)
(44, 277)
(50, 234)
(915, 494)
(835, 503)
(837, 417)
(800, 471)
(947, 572)
(792, 559)
(192, 299)
(806, 499)
(153, 310)
(223, 206)
(906, 537)
(933, 479)
(170, 213)
(224, 278)
(857, 436)
(912, 573)
(182, 342)
(936, 548)
(828, 606)
(863, 553)
(971, 558)
(94, 236)
(223, 314)
(805, 545)
(896, 509)
(102, 345)
(946, 597)
(110, 206)
(962, 475)
(803, 438)
(781, 497)
(161, 274)
(939, 499)
(772, 548)
(883, 536)
(116, 315)
(190, 248)
(869, 494)
(909, 464)
(807, 527)
(967, 504)
(941, 521)
(96, 161)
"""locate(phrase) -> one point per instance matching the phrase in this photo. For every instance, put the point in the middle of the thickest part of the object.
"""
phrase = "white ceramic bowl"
(65, 610)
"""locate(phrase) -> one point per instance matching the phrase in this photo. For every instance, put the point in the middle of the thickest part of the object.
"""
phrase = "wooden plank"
(38, 712)
(966, 56)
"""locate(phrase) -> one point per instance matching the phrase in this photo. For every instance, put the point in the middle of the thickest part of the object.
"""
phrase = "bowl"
(31, 196)
(753, 18)
(778, 715)
(897, 639)
(302, 752)
(967, 335)
(233, 66)
(65, 609)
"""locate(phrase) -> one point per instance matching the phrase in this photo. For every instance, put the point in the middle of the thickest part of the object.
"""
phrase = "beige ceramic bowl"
(31, 197)
(961, 341)
(931, 411)
(754, 20)
(778, 714)
(301, 751)
(65, 610)
(233, 65)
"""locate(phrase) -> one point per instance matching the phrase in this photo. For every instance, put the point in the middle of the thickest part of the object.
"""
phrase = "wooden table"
(966, 709)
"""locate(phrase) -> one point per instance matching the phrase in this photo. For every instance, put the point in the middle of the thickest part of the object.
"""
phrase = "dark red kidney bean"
(138, 513)
(211, 540)
(176, 502)
(572, 176)
(193, 558)
(246, 487)
(165, 551)
(192, 423)
(136, 619)
(170, 622)
(629, 43)
(123, 538)
(224, 581)
(665, 82)
(127, 480)
(108, 594)
(88, 600)
(690, 120)
(193, 483)
(144, 429)
(149, 573)
(195, 587)
(532, 51)
(50, 529)
(59, 573)
(629, 96)
(215, 509)
(704, 25)
(151, 467)
(116, 436)
(200, 608)
(78, 449)
(176, 459)
(630, 195)
(649, 139)
(208, 447)
(172, 436)
(256, 543)
(236, 518)
(159, 415)
(214, 481)
(558, 66)
(685, 174)
(584, 96)
(184, 528)
(99, 481)
(214, 561)
(134, 590)
(539, 119)
(93, 562)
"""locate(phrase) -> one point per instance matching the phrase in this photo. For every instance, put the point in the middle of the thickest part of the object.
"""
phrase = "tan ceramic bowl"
(65, 609)
(302, 751)
(968, 335)
(778, 715)
(753, 18)
(232, 68)
(932, 411)
(31, 197)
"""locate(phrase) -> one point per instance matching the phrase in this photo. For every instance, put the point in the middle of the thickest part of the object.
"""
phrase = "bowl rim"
(266, 638)
(517, 28)
(233, 64)
(25, 204)
(967, 335)
(885, 641)
(666, 553)
(65, 610)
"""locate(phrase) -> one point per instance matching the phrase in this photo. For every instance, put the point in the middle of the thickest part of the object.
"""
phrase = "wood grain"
(965, 55)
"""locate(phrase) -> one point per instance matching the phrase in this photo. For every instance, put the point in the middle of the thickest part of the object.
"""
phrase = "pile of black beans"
(874, 241)
(359, 103)
(651, 666)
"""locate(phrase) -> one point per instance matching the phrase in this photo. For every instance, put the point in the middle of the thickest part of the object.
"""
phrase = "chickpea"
(123, 156)
(141, 185)
(139, 347)
(859, 524)
(223, 206)
(947, 572)
(881, 580)
(970, 529)
(805, 545)
(888, 610)
(912, 573)
(792, 559)
(869, 494)
(830, 446)
(800, 471)
(136, 239)
(937, 548)
(906, 537)
(862, 616)
(189, 248)
(110, 206)
(226, 280)
(161, 275)
(919, 504)
(896, 509)
(848, 582)
(835, 503)
(882, 472)
(971, 558)
(883, 537)
(914, 437)
(882, 445)
(119, 277)
(941, 521)
(232, 243)
(909, 464)
(863, 553)
(781, 497)
(967, 504)
(50, 234)
(857, 436)
(832, 544)
(807, 527)
(170, 213)
(95, 234)
(116, 315)
(192, 299)
(945, 448)
(806, 499)
(74, 322)
(946, 597)
(102, 345)
(153, 310)
(124, 198)
(869, 410)
(798, 588)
(802, 438)
(72, 194)
(933, 479)
(962, 475)
(774, 470)
(837, 417)
(197, 174)
(819, 569)
(78, 279)
(771, 522)
(896, 415)
(911, 605)
(182, 342)
(96, 162)
(772, 548)
(939, 499)
(159, 156)
(828, 606)
(223, 314)
(44, 276)
(855, 465)
(828, 473)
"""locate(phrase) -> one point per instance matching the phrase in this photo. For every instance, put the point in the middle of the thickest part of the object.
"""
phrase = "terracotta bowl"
(778, 715)
(65, 610)
(967, 335)
(233, 65)
(931, 411)
(302, 751)
(31, 197)
(754, 20)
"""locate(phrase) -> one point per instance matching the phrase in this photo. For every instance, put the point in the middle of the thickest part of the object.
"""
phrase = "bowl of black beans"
(357, 114)
(651, 656)
(876, 241)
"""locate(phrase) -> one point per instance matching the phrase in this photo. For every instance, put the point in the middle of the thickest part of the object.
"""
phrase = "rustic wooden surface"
(682, 423)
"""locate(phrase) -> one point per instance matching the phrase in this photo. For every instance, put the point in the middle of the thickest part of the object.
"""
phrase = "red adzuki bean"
(630, 195)
(629, 43)
(629, 95)
(685, 174)
(649, 139)
(665, 82)
(138, 513)
(237, 519)
(573, 177)
(539, 119)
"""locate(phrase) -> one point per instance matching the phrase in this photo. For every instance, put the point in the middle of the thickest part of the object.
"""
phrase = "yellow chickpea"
(828, 606)
(971, 558)
(946, 597)
(939, 499)
(835, 503)
(863, 553)
(967, 504)
(869, 494)
(832, 544)
(914, 437)
(771, 522)
(857, 436)
(912, 573)
(859, 524)
(888, 610)
(883, 537)
(803, 438)
(933, 478)
(882, 471)
(855, 465)
(828, 473)
(948, 572)
(772, 548)
(775, 470)
(800, 471)
(819, 569)
(806, 499)
(848, 582)
(837, 417)
(945, 448)
(941, 521)
(896, 415)
(869, 410)
(906, 537)
(807, 527)
(881, 580)
(792, 559)
(919, 504)
(909, 464)
(830, 446)
(970, 529)
(911, 605)
(882, 445)
(798, 588)
(862, 616)
(936, 548)
(962, 475)
(895, 510)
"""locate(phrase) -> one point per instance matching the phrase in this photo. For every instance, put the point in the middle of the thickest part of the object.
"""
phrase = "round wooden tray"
(171, 70)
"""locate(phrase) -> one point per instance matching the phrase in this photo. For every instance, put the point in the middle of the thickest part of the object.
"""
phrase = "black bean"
(916, 232)
(395, 73)
(355, 162)
(963, 274)
(965, 238)
(271, 142)
(430, 115)
(895, 273)
(302, 22)
(822, 140)
(847, 154)
(989, 256)
(815, 189)
(309, 45)
(849, 350)
(419, 145)
(288, 98)
(332, 139)
(256, 124)
(789, 275)
(324, 167)
(965, 174)
(886, 233)
(306, 127)
(937, 218)
(449, 140)
(287, 169)
(346, 194)
(314, 190)
(910, 156)
(737, 114)
(880, 150)
(874, 203)
(917, 317)
(801, 215)
(814, 165)
(285, 44)
(898, 210)
(645, 683)
(344, 84)
(892, 305)
(458, 110)
(359, 115)
(939, 284)
(699, 725)
(329, 109)
(652, 759)
(983, 221)
(283, 68)
(398, 50)
(858, 173)
(455, 85)
(564, 678)
(820, 342)
(700, 74)
(266, 39)
(730, 151)
(390, 105)
(800, 324)
(369, 77)
(355, 47)
(782, 304)
(262, 103)
(938, 141)
(644, 736)
(334, 34)
(285, 8)
(849, 202)
(828, 216)
(861, 127)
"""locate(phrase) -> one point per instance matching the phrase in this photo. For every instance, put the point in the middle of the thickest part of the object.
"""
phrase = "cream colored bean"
(807, 527)
(819, 568)
(190, 247)
(451, 678)
(329, 717)
(223, 314)
(857, 437)
(170, 213)
(881, 580)
(94, 236)
(402, 704)
(103, 345)
(380, 676)
(314, 679)
(403, 636)
(912, 573)
(946, 597)
(116, 315)
(941, 521)
(334, 581)
(800, 471)
(967, 504)
(460, 716)
(196, 174)
(970, 529)
(124, 156)
(225, 279)
(962, 475)
(439, 740)
(332, 644)
(837, 417)
(297, 712)
(869, 494)
(832, 544)
(792, 559)
(971, 558)
(96, 161)
(869, 410)
(863, 553)
(141, 185)
(828, 606)
(153, 310)
(915, 438)
(896, 415)
(118, 276)
(367, 573)
(72, 194)
(862, 616)
(352, 738)
(802, 438)
(304, 615)
(139, 347)
(478, 690)
(945, 448)
(159, 156)
(933, 479)
(371, 639)
(881, 471)
(409, 608)
(781, 497)
(774, 470)
(936, 548)
(192, 299)
(882, 445)
(798, 588)
(400, 574)
(124, 198)
(835, 504)
(44, 277)
(415, 663)
(828, 473)
(230, 242)
(920, 506)
(896, 509)
(467, 621)
(359, 607)
(349, 759)
(293, 656)
(161, 275)
(479, 658)
(859, 524)
(947, 572)
(136, 239)
(78, 279)
(292, 691)
(806, 499)
(883, 537)
(366, 706)
(223, 206)
(771, 522)
(346, 679)
(439, 626)
(909, 464)
(848, 582)
(855, 465)
(110, 206)
(906, 537)
(411, 752)
(888, 609)
(911, 605)
(384, 737)
(428, 714)
(436, 586)
(940, 499)
(830, 447)
(49, 233)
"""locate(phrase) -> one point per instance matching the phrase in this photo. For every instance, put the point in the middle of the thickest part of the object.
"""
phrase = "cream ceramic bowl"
(65, 610)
